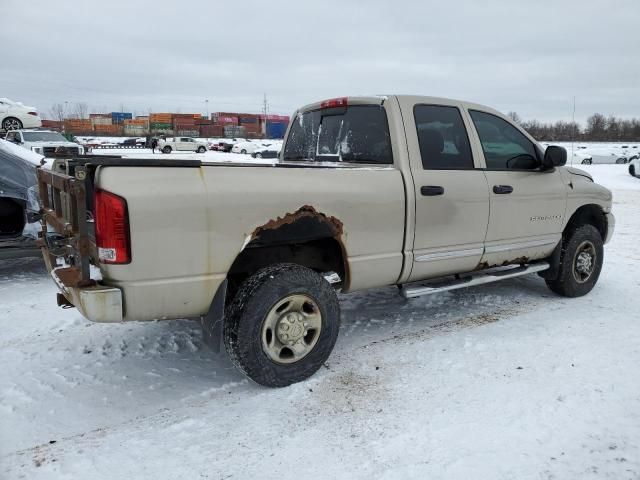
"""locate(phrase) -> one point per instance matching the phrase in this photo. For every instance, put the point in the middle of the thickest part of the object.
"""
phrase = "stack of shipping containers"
(184, 124)
(221, 124)
(161, 123)
(136, 127)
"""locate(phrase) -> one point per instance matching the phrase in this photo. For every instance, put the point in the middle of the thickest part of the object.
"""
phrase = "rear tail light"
(112, 228)
(334, 102)
(35, 114)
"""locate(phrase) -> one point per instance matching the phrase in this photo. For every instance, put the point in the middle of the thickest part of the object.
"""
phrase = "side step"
(470, 279)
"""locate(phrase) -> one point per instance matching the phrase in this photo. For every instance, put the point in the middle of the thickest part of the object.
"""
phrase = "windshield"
(43, 137)
(358, 133)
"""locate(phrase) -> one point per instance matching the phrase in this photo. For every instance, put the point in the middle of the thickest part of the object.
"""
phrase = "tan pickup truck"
(425, 193)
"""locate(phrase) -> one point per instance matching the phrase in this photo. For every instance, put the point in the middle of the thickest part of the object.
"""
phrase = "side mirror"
(554, 156)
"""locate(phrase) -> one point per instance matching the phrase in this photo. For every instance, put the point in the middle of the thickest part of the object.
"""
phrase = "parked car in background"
(181, 144)
(605, 159)
(634, 167)
(272, 151)
(134, 142)
(19, 207)
(15, 115)
(245, 147)
(44, 142)
(251, 147)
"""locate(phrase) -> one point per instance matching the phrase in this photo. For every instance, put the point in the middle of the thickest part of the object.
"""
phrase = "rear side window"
(358, 133)
(505, 147)
(444, 144)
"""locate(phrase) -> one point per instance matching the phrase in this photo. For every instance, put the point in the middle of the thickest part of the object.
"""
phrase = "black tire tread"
(564, 284)
(243, 304)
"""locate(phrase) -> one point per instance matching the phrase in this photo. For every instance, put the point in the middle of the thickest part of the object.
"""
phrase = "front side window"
(505, 147)
(43, 137)
(358, 133)
(444, 144)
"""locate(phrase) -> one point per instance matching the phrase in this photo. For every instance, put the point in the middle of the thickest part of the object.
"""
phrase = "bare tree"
(57, 112)
(514, 117)
(81, 110)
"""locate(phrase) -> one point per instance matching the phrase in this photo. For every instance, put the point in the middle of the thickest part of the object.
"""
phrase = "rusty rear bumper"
(98, 303)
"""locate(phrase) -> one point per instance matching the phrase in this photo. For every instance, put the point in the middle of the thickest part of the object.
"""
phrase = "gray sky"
(531, 57)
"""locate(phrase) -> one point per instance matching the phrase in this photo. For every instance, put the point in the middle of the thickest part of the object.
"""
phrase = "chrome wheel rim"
(584, 261)
(11, 124)
(291, 329)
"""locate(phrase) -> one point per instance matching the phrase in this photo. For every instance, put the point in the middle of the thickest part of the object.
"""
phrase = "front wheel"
(580, 263)
(258, 155)
(586, 161)
(11, 123)
(166, 149)
(282, 324)
(243, 151)
(632, 170)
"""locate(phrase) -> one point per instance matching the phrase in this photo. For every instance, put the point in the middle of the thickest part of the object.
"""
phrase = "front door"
(452, 197)
(527, 204)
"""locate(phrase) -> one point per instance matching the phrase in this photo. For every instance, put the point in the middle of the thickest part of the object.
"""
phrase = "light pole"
(206, 102)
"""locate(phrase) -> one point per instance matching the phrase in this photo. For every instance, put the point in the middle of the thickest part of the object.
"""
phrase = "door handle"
(502, 189)
(431, 190)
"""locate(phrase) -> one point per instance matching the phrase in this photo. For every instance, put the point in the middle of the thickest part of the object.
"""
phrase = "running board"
(470, 279)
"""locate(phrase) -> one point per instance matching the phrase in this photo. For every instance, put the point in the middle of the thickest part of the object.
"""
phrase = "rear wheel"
(282, 324)
(258, 155)
(11, 123)
(632, 170)
(586, 161)
(201, 149)
(243, 151)
(166, 149)
(580, 263)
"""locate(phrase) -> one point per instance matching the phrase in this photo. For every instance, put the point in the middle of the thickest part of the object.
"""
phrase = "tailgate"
(66, 232)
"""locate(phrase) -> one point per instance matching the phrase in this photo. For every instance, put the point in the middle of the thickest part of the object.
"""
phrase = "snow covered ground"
(505, 381)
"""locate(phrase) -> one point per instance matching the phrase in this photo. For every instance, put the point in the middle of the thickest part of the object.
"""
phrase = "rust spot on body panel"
(304, 212)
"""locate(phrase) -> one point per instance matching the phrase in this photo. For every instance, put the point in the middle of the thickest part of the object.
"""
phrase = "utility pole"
(265, 112)
(573, 128)
(206, 102)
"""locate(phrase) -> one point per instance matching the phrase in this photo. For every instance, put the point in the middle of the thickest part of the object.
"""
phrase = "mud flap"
(212, 322)
(554, 262)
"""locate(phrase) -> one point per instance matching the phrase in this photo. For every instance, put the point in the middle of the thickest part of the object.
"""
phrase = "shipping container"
(52, 124)
(211, 131)
(231, 131)
(276, 129)
(160, 117)
(187, 133)
(161, 126)
(119, 117)
(101, 121)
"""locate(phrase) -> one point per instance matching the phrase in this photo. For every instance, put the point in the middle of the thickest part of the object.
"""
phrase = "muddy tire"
(166, 149)
(580, 262)
(282, 324)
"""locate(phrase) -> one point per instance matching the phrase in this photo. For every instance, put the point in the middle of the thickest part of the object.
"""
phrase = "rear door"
(185, 143)
(452, 197)
(527, 204)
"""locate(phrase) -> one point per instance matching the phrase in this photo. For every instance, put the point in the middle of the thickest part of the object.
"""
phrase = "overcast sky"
(530, 57)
